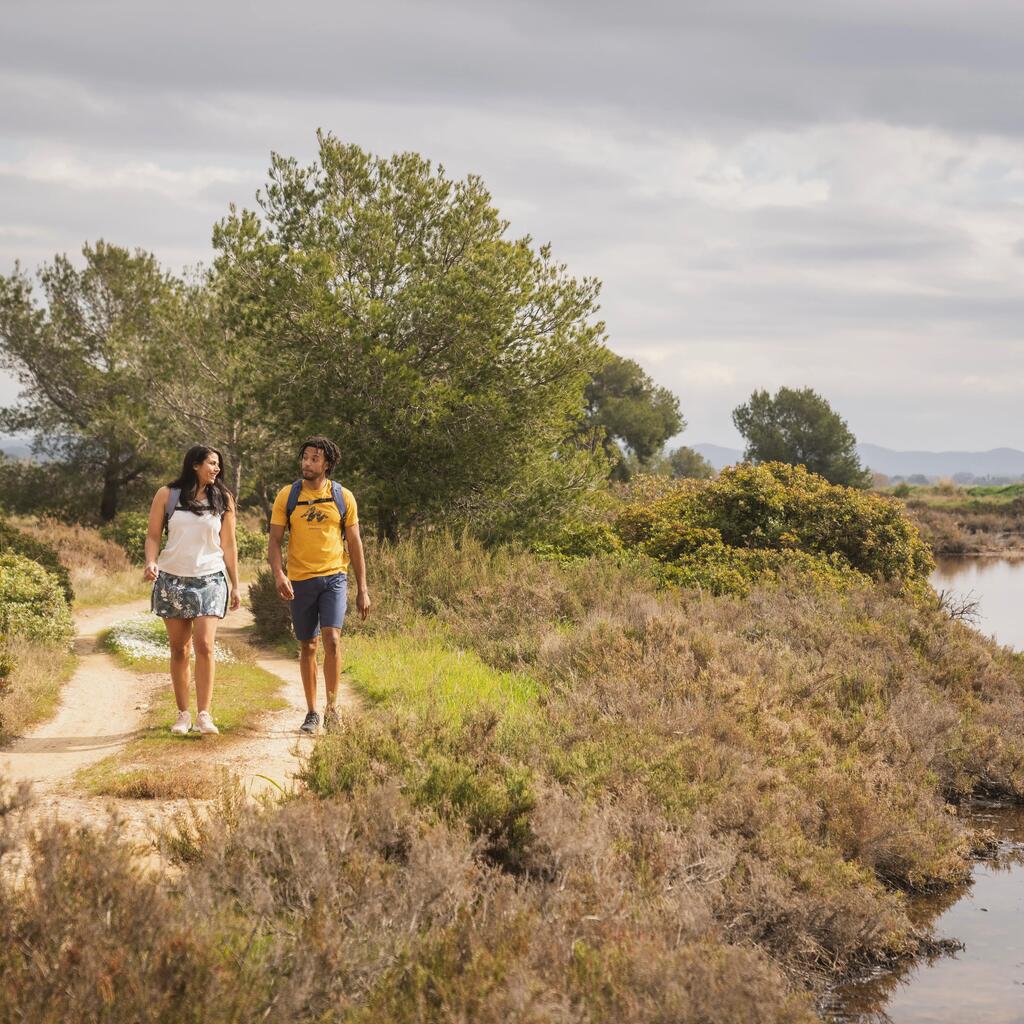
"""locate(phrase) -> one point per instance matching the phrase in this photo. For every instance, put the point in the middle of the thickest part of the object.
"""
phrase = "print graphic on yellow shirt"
(314, 542)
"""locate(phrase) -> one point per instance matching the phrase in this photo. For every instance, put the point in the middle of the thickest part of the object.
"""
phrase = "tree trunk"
(265, 503)
(108, 502)
(387, 525)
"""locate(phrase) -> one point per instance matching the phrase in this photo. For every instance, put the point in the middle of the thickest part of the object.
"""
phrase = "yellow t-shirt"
(315, 547)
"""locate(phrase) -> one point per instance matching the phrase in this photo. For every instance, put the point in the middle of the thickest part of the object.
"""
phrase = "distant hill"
(1000, 463)
(15, 447)
(718, 456)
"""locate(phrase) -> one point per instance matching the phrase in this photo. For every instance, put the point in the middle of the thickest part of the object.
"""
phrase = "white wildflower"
(144, 637)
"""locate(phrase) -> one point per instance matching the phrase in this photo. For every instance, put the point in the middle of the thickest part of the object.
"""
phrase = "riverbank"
(979, 974)
(961, 525)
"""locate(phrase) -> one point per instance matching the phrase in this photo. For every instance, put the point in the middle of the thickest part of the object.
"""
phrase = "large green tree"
(395, 314)
(206, 380)
(798, 426)
(78, 358)
(628, 414)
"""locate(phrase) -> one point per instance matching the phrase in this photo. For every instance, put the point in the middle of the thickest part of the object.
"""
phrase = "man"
(320, 549)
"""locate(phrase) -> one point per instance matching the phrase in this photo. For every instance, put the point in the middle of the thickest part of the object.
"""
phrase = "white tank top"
(193, 545)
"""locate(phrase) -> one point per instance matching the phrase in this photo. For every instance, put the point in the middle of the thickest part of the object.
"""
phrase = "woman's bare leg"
(179, 636)
(204, 633)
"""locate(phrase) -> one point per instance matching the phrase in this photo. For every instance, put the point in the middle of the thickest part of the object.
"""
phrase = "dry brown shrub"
(80, 548)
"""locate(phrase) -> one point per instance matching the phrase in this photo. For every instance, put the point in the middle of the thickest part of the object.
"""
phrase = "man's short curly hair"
(331, 451)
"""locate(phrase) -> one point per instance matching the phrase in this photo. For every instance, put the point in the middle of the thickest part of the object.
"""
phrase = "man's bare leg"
(307, 666)
(332, 662)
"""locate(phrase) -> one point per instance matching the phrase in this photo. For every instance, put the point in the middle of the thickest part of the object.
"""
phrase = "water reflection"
(998, 586)
(981, 984)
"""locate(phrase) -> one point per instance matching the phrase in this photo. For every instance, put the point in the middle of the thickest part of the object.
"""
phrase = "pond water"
(984, 982)
(997, 585)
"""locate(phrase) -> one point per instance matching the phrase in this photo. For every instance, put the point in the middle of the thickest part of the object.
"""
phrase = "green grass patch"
(419, 676)
(453, 731)
(1005, 493)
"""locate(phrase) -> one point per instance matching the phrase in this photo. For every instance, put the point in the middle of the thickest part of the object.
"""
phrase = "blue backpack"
(337, 496)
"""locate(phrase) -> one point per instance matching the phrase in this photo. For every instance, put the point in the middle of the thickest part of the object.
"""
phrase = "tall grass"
(29, 694)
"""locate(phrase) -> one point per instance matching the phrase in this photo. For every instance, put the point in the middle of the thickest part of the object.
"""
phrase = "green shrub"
(754, 522)
(32, 602)
(13, 541)
(273, 620)
(580, 539)
(129, 529)
(252, 544)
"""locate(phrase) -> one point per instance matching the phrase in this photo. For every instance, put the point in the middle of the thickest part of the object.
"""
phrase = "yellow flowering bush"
(754, 523)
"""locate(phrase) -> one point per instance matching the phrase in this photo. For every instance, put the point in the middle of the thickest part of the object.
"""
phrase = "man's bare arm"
(284, 585)
(355, 550)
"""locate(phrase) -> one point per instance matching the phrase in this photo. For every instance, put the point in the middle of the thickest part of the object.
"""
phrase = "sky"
(814, 193)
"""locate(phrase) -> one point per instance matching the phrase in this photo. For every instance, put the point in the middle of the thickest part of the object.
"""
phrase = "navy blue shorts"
(318, 603)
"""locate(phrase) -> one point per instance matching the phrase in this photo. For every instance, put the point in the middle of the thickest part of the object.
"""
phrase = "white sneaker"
(184, 723)
(204, 723)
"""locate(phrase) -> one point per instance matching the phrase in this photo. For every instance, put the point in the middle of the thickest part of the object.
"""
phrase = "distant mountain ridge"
(15, 447)
(997, 462)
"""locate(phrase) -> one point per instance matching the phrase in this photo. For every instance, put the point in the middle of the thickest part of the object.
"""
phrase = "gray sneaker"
(331, 720)
(311, 724)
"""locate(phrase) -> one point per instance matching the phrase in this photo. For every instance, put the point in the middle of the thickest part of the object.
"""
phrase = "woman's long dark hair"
(188, 480)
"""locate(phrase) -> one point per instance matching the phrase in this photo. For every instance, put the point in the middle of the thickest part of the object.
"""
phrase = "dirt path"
(100, 709)
(103, 706)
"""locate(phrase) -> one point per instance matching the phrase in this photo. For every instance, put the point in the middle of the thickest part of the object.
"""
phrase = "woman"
(191, 590)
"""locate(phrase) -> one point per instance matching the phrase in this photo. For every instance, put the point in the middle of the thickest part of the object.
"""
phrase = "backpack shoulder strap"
(173, 494)
(339, 499)
(293, 500)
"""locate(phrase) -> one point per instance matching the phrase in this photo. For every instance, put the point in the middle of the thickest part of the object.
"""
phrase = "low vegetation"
(35, 630)
(99, 569)
(581, 788)
(273, 620)
(31, 676)
(20, 542)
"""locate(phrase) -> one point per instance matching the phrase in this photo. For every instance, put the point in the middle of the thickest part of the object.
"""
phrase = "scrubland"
(572, 795)
(100, 570)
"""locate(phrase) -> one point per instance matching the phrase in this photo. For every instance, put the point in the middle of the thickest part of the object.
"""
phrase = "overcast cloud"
(787, 193)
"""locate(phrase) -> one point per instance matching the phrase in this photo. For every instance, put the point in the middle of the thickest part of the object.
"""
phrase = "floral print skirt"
(189, 597)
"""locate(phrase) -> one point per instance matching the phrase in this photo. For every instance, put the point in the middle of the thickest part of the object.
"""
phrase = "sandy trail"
(102, 708)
